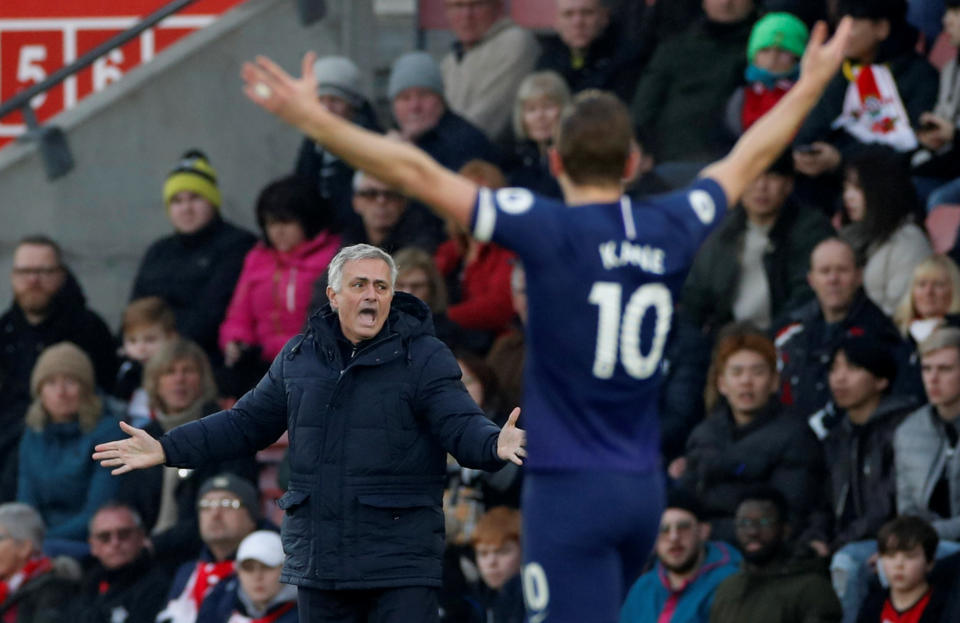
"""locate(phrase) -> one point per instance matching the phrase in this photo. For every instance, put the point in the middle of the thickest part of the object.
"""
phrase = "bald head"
(834, 277)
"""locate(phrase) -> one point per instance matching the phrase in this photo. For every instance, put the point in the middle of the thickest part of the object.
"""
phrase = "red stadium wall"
(37, 37)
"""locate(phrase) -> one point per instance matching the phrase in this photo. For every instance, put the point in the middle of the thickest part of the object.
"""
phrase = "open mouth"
(367, 316)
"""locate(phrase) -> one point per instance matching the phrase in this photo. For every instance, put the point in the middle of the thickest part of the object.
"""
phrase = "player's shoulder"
(517, 200)
(705, 196)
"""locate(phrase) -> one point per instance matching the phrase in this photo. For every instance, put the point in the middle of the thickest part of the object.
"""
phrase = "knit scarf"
(873, 111)
(236, 617)
(34, 567)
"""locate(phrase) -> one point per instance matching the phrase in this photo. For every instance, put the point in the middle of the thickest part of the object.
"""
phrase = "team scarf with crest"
(873, 111)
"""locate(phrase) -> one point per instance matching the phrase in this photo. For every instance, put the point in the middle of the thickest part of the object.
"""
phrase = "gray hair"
(115, 505)
(547, 84)
(358, 252)
(23, 523)
(944, 337)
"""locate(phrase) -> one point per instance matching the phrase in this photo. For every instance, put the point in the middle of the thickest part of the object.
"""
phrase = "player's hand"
(823, 58)
(823, 158)
(138, 451)
(512, 443)
(938, 132)
(292, 99)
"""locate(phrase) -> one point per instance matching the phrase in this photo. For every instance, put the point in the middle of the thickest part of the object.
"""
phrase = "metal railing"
(52, 142)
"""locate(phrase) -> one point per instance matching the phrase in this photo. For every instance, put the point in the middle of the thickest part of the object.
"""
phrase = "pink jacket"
(269, 304)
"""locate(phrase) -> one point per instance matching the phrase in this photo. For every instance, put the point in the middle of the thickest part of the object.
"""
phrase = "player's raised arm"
(766, 138)
(399, 164)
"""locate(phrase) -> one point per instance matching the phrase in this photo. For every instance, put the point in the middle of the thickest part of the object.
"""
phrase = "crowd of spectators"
(811, 393)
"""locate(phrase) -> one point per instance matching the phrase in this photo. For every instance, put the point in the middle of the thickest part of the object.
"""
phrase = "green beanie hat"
(778, 30)
(193, 173)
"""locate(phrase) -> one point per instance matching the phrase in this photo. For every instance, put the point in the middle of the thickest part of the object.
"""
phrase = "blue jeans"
(851, 573)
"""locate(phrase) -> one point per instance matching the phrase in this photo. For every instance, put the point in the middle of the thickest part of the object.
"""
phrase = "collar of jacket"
(501, 24)
(890, 406)
(202, 235)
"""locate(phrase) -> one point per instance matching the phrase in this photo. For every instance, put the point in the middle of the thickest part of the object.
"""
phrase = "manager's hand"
(139, 451)
(511, 445)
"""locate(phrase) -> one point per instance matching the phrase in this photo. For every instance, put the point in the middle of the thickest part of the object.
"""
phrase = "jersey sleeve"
(517, 219)
(697, 209)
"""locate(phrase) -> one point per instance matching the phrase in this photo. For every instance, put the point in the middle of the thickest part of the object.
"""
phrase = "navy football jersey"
(602, 281)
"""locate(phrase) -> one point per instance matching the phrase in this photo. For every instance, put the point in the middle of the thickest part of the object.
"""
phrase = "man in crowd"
(684, 89)
(373, 402)
(228, 509)
(386, 219)
(48, 307)
(754, 268)
(813, 330)
(598, 436)
(927, 464)
(679, 589)
(125, 584)
(338, 88)
(489, 59)
(771, 586)
(585, 49)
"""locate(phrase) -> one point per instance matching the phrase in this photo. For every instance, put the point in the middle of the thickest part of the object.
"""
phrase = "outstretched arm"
(762, 143)
(138, 451)
(398, 164)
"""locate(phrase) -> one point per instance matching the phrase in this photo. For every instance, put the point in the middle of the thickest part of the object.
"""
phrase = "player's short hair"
(149, 311)
(497, 526)
(594, 138)
(906, 532)
(358, 252)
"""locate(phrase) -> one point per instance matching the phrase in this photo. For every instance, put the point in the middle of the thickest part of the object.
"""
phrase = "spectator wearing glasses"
(387, 221)
(679, 589)
(227, 511)
(48, 307)
(771, 586)
(124, 583)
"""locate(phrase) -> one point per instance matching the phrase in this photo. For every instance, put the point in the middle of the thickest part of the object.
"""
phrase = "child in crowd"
(496, 543)
(148, 324)
(776, 44)
(906, 545)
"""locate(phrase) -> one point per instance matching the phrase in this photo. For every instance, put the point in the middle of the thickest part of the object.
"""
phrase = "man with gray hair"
(927, 464)
(373, 402)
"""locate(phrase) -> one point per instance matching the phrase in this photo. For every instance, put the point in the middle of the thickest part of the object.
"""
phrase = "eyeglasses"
(35, 271)
(755, 524)
(121, 534)
(376, 194)
(224, 503)
(682, 527)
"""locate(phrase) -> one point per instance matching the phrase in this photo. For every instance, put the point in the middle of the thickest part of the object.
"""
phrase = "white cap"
(263, 546)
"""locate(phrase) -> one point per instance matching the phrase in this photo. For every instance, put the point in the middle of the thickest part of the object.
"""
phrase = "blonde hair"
(413, 258)
(548, 84)
(906, 312)
(169, 354)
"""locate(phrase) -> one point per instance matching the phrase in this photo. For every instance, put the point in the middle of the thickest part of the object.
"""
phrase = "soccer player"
(602, 280)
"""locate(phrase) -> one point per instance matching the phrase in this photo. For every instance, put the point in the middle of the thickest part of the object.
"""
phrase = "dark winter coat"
(368, 441)
(604, 64)
(806, 344)
(139, 589)
(21, 344)
(862, 484)
(196, 274)
(708, 294)
(45, 598)
(725, 461)
(788, 592)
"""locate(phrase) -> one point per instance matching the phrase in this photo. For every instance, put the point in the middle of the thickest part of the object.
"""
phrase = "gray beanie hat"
(340, 77)
(240, 487)
(415, 69)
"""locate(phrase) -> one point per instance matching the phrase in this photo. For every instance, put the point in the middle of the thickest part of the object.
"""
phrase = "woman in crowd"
(269, 305)
(63, 424)
(194, 269)
(33, 588)
(181, 389)
(879, 206)
(932, 300)
(540, 101)
(477, 273)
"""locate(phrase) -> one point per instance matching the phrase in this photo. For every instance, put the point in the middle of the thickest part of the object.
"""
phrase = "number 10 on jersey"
(618, 328)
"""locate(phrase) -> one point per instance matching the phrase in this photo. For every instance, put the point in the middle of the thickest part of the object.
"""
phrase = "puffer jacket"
(369, 431)
(269, 304)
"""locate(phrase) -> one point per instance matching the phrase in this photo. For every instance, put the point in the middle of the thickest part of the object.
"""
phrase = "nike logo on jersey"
(625, 253)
